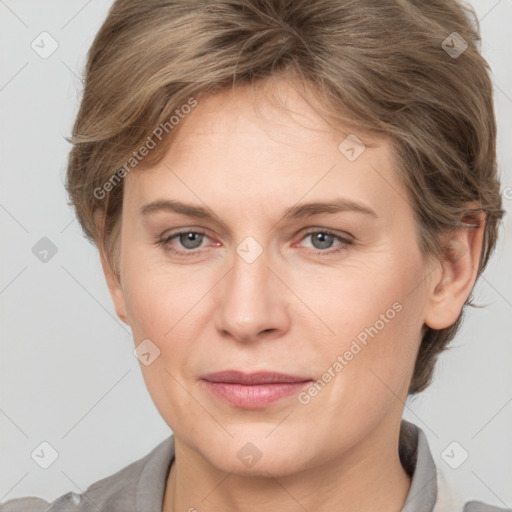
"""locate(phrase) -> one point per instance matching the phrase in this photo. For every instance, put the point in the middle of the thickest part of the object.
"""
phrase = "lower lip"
(254, 396)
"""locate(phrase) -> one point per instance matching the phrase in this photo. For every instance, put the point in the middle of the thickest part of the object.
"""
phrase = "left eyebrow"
(295, 212)
(336, 206)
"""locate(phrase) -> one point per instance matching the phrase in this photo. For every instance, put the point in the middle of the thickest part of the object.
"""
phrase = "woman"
(292, 202)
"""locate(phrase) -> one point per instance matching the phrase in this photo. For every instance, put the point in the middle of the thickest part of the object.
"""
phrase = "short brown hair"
(378, 66)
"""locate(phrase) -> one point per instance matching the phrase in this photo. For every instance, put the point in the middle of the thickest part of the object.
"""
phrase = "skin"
(293, 310)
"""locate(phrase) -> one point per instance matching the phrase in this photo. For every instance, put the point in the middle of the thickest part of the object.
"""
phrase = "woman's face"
(338, 296)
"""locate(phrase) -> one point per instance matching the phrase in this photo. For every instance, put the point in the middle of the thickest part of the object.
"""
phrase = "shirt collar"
(414, 453)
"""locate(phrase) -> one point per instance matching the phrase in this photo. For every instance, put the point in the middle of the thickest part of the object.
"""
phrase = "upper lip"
(237, 377)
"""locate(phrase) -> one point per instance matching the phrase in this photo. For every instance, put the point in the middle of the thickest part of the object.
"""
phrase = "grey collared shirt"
(140, 486)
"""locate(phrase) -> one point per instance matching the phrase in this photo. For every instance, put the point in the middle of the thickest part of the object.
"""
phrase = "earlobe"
(113, 282)
(459, 268)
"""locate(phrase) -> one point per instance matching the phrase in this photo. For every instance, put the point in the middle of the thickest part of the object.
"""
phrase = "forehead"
(264, 147)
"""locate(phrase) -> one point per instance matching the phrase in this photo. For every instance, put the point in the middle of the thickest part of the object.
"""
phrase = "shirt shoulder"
(430, 490)
(29, 504)
(137, 486)
(69, 502)
(449, 501)
(480, 506)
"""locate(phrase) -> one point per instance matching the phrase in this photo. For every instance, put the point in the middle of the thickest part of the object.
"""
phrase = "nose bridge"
(251, 298)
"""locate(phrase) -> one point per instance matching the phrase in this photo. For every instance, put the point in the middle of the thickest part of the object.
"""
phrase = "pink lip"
(254, 390)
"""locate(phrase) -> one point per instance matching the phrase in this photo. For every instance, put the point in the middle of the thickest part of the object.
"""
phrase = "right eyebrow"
(168, 205)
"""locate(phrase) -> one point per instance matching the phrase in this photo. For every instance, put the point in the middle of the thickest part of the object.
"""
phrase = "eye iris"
(325, 240)
(191, 240)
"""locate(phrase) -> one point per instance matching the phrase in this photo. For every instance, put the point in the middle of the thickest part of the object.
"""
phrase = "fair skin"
(293, 310)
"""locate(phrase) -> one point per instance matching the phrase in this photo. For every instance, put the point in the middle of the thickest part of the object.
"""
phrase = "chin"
(257, 456)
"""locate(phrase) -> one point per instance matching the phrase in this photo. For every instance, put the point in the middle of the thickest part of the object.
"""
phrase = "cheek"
(372, 366)
(151, 292)
(376, 317)
(162, 311)
(168, 307)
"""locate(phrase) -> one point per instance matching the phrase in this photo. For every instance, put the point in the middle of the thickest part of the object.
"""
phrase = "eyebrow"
(294, 212)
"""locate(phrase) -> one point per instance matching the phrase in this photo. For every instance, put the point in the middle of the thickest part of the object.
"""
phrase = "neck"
(367, 477)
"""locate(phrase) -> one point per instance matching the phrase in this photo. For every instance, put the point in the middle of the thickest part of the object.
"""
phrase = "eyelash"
(163, 242)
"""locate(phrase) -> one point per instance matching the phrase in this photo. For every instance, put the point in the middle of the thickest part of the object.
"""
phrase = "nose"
(252, 301)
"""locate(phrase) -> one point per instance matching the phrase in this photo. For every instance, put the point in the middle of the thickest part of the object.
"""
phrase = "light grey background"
(68, 374)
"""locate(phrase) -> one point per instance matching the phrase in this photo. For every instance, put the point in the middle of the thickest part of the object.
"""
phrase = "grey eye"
(322, 240)
(191, 240)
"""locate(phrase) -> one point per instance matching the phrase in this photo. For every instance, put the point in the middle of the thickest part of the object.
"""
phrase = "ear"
(113, 282)
(458, 273)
